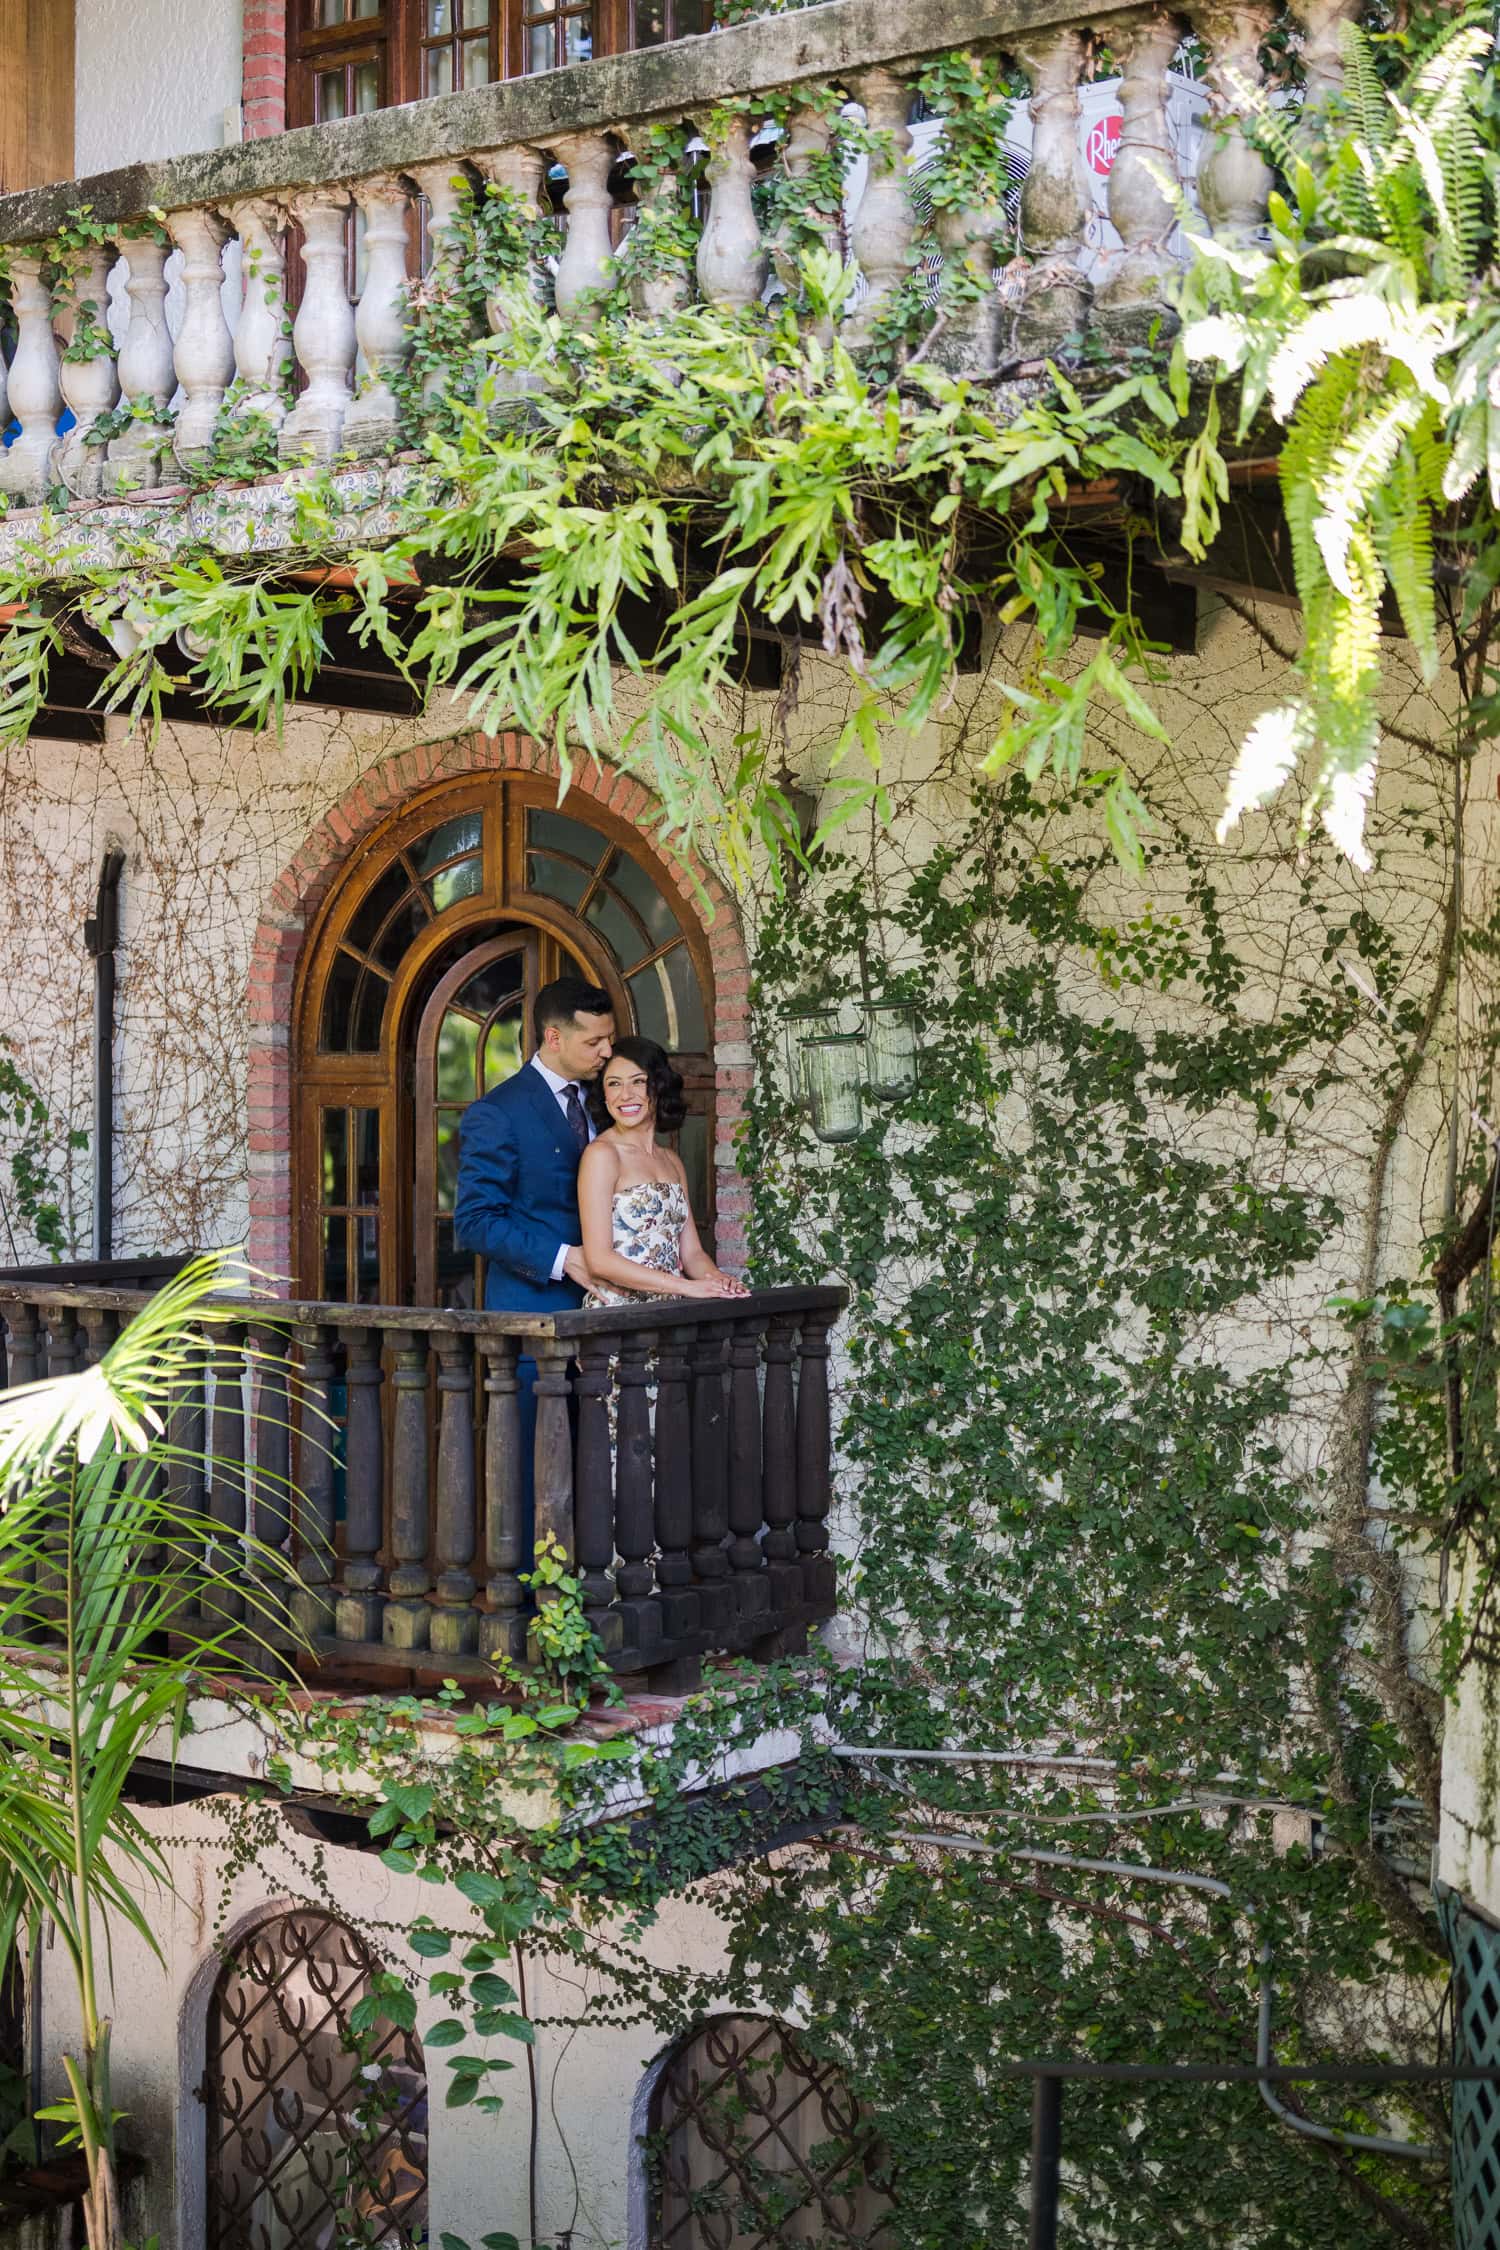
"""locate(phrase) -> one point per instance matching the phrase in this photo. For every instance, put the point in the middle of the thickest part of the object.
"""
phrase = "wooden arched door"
(416, 994)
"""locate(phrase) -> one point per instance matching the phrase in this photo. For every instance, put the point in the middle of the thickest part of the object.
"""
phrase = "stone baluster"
(226, 1495)
(593, 1486)
(262, 346)
(674, 1493)
(1323, 24)
(90, 383)
(779, 1468)
(635, 1532)
(204, 352)
(445, 188)
(455, 1624)
(407, 1615)
(660, 285)
(749, 1581)
(147, 375)
(1234, 179)
(4, 390)
(587, 261)
(804, 154)
(969, 333)
(502, 1629)
(711, 1486)
(35, 383)
(1056, 198)
(553, 1457)
(373, 422)
(323, 332)
(733, 262)
(1133, 295)
(356, 1609)
(317, 1435)
(518, 173)
(814, 1464)
(885, 224)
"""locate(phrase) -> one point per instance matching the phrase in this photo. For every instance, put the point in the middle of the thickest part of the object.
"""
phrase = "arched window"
(415, 997)
(314, 2138)
(754, 2145)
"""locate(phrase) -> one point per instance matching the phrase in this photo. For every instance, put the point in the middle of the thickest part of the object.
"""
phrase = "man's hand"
(576, 1267)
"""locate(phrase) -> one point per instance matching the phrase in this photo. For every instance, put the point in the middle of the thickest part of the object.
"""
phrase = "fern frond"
(1401, 519)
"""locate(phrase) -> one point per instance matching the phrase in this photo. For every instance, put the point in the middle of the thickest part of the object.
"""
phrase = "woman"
(638, 1233)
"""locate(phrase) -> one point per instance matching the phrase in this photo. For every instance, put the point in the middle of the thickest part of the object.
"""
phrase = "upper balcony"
(155, 363)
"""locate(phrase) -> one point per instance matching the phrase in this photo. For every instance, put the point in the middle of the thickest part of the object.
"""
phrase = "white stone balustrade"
(220, 353)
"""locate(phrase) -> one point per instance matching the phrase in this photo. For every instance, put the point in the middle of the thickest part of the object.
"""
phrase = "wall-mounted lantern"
(831, 1071)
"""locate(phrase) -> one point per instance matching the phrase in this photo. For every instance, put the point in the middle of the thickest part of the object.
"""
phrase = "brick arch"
(299, 891)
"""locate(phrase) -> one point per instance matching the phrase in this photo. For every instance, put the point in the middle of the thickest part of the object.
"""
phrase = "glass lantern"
(832, 1074)
(890, 1049)
(798, 1026)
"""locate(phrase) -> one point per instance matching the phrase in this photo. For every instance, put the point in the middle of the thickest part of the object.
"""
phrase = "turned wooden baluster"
(226, 1495)
(204, 352)
(24, 1334)
(455, 1624)
(885, 224)
(518, 173)
(779, 1469)
(90, 384)
(593, 1488)
(271, 1485)
(373, 421)
(35, 383)
(635, 1531)
(1234, 180)
(674, 1491)
(317, 1435)
(711, 1484)
(747, 1562)
(553, 1458)
(1056, 198)
(814, 1464)
(147, 376)
(1133, 295)
(262, 347)
(356, 1610)
(502, 1629)
(407, 1615)
(587, 263)
(323, 332)
(733, 262)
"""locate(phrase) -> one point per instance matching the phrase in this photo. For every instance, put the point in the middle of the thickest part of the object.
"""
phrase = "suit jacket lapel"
(545, 1103)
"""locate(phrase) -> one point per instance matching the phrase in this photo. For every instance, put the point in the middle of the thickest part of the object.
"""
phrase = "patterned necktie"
(580, 1124)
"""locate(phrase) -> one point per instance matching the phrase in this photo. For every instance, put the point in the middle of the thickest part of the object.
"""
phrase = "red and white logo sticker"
(1103, 140)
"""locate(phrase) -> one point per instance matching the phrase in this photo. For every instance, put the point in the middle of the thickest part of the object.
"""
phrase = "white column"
(1056, 197)
(809, 137)
(323, 332)
(147, 376)
(35, 387)
(587, 261)
(204, 352)
(373, 421)
(1133, 293)
(885, 224)
(90, 384)
(967, 337)
(1234, 181)
(444, 186)
(262, 347)
(661, 289)
(733, 262)
(518, 173)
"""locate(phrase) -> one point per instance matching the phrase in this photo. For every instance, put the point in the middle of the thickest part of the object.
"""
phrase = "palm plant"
(108, 1608)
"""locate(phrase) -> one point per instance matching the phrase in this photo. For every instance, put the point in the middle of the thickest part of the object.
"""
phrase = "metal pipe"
(1046, 2163)
(101, 935)
(1417, 2152)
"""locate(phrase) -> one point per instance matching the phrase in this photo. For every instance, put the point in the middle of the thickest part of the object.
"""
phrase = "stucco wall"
(154, 78)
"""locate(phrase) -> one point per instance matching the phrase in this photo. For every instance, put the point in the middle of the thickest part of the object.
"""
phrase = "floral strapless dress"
(648, 1223)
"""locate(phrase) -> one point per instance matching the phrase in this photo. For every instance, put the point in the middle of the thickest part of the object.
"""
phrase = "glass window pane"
(329, 102)
(454, 883)
(369, 1013)
(687, 1000)
(477, 62)
(366, 88)
(366, 1155)
(330, 12)
(437, 70)
(648, 997)
(557, 878)
(638, 890)
(453, 840)
(617, 928)
(447, 1157)
(541, 47)
(439, 16)
(578, 43)
(367, 1243)
(335, 1261)
(458, 1040)
(650, 22)
(335, 1156)
(405, 925)
(476, 15)
(554, 832)
(363, 8)
(376, 906)
(338, 1004)
(489, 987)
(455, 1270)
(504, 1050)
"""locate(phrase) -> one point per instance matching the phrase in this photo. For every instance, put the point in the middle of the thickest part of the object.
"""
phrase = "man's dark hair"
(568, 997)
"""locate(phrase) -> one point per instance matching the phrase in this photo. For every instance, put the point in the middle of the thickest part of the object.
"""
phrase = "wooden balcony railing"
(235, 217)
(381, 1448)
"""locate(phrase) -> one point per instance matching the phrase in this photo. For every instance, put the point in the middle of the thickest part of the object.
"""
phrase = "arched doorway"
(415, 997)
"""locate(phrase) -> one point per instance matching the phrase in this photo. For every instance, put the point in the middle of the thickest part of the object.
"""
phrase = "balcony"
(200, 257)
(382, 1450)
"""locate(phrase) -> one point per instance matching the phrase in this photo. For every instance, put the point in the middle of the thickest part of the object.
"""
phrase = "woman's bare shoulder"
(601, 1157)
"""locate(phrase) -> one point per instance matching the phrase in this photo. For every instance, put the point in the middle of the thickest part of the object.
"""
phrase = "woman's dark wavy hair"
(663, 1083)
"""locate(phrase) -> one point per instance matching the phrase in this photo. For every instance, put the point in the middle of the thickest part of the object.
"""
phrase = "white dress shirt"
(559, 1088)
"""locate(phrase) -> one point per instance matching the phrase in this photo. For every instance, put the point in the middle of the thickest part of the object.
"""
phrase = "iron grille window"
(755, 2145)
(310, 2141)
